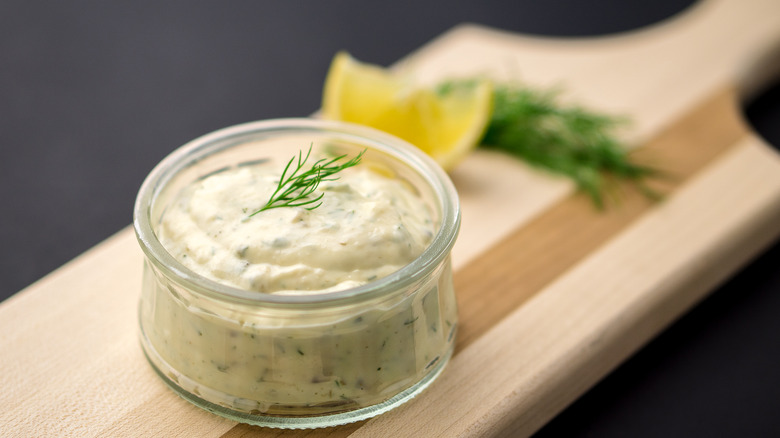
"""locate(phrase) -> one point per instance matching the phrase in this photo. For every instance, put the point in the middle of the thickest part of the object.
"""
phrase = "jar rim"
(439, 248)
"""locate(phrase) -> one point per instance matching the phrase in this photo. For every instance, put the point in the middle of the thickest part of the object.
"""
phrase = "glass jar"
(297, 361)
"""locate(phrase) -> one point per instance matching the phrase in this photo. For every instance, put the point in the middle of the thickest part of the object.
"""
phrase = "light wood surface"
(553, 293)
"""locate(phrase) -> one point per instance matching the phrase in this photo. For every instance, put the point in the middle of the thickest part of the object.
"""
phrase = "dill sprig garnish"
(568, 140)
(297, 189)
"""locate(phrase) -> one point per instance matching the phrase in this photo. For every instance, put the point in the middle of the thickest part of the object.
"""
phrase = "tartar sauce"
(315, 361)
(367, 227)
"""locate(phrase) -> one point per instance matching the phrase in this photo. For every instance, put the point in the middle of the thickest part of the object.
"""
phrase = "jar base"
(298, 421)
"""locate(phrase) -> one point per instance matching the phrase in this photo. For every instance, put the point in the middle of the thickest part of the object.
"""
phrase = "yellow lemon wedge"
(446, 125)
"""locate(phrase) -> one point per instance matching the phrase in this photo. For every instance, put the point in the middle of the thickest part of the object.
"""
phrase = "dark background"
(93, 94)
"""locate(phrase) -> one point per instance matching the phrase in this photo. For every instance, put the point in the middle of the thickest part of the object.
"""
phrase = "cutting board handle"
(743, 36)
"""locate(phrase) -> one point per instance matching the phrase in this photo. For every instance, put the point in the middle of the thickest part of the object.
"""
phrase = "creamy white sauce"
(367, 227)
(321, 360)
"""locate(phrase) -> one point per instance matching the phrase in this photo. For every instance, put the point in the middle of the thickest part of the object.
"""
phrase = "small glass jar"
(297, 361)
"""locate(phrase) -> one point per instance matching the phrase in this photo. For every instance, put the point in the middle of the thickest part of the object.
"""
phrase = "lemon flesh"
(446, 126)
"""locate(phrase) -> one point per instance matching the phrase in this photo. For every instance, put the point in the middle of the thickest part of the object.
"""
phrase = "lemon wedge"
(446, 125)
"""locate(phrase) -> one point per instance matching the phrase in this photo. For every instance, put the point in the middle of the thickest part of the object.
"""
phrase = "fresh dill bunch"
(297, 189)
(567, 140)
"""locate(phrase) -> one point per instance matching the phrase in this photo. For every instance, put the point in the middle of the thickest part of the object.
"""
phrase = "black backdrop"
(93, 94)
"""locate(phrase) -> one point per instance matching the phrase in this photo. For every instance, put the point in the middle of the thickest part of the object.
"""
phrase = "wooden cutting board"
(553, 294)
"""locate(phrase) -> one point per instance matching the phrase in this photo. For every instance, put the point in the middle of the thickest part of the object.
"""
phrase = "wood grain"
(498, 282)
(541, 356)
